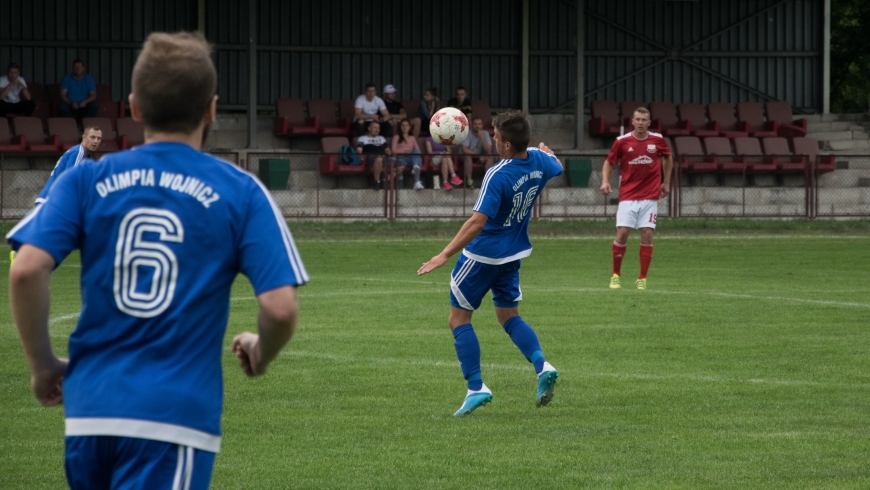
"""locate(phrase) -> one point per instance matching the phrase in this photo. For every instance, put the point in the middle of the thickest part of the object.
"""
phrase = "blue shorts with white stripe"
(126, 463)
(471, 280)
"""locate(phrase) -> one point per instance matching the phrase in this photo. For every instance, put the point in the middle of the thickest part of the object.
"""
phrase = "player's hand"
(246, 345)
(544, 148)
(605, 188)
(47, 383)
(666, 189)
(434, 263)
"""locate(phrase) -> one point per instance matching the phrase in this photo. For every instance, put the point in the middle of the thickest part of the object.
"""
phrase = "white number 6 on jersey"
(133, 252)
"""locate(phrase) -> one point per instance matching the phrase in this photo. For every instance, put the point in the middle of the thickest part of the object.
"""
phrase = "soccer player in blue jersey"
(493, 242)
(163, 230)
(91, 138)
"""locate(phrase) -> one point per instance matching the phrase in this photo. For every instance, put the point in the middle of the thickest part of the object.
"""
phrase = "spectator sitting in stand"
(441, 157)
(477, 147)
(407, 152)
(78, 93)
(397, 111)
(367, 108)
(428, 107)
(375, 145)
(14, 96)
(461, 101)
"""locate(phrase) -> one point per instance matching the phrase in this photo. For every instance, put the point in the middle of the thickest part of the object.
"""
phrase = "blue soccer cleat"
(474, 400)
(546, 385)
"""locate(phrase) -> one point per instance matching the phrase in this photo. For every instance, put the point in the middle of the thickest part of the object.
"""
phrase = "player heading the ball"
(493, 242)
(163, 229)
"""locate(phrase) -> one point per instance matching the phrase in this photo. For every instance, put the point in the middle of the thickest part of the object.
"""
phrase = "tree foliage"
(850, 56)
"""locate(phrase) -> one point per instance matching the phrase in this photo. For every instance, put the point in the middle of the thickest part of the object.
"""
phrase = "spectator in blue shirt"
(78, 93)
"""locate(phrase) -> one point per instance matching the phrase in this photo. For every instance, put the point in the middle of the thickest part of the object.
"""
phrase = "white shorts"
(637, 214)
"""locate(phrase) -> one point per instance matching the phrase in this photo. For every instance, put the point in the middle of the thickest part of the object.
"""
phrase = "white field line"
(601, 237)
(520, 366)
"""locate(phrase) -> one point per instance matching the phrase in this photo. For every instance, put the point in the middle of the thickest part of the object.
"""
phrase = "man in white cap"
(397, 112)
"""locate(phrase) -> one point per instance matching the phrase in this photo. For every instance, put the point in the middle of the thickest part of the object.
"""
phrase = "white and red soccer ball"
(449, 126)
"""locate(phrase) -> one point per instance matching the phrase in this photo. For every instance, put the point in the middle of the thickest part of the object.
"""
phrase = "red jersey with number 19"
(640, 165)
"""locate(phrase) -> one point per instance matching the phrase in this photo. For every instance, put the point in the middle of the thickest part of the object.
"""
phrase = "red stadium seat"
(52, 91)
(751, 116)
(30, 129)
(691, 156)
(324, 111)
(104, 93)
(723, 114)
(481, 109)
(665, 120)
(7, 141)
(410, 107)
(107, 127)
(330, 160)
(290, 119)
(756, 162)
(786, 162)
(626, 110)
(694, 114)
(780, 113)
(130, 133)
(346, 109)
(721, 147)
(810, 148)
(64, 128)
(605, 119)
(108, 109)
(37, 91)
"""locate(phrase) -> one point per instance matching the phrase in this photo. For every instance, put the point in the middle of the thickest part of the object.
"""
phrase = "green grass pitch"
(745, 365)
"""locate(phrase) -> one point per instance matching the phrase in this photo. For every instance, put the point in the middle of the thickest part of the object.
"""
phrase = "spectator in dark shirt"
(428, 107)
(397, 111)
(375, 145)
(78, 93)
(461, 101)
(14, 96)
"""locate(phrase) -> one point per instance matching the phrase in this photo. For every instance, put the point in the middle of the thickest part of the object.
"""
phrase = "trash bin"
(275, 173)
(579, 171)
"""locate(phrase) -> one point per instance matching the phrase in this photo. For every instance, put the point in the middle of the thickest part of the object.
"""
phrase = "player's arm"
(5, 90)
(357, 114)
(667, 167)
(466, 234)
(276, 324)
(605, 178)
(29, 295)
(485, 142)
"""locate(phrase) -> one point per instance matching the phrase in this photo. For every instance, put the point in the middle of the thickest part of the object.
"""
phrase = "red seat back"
(688, 145)
(665, 112)
(694, 113)
(723, 112)
(346, 109)
(104, 123)
(333, 144)
(104, 93)
(410, 107)
(806, 146)
(779, 111)
(481, 109)
(134, 131)
(30, 128)
(323, 109)
(65, 129)
(775, 146)
(52, 91)
(291, 109)
(748, 146)
(751, 113)
(5, 134)
(37, 92)
(627, 107)
(606, 110)
(718, 146)
(108, 109)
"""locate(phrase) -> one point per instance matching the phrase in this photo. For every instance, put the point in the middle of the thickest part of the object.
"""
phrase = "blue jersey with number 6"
(507, 195)
(163, 231)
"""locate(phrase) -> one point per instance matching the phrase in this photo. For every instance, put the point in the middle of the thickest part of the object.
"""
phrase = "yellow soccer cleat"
(614, 282)
(641, 284)
(11, 257)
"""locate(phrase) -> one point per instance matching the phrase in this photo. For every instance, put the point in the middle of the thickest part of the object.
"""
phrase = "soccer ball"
(449, 126)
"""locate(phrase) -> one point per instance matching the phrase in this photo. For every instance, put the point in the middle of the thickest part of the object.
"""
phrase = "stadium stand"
(330, 161)
(665, 120)
(290, 119)
(727, 160)
(694, 115)
(480, 108)
(52, 92)
(7, 141)
(346, 109)
(810, 148)
(691, 156)
(780, 113)
(130, 133)
(750, 116)
(756, 161)
(723, 114)
(108, 107)
(605, 122)
(786, 162)
(30, 129)
(329, 125)
(65, 130)
(108, 144)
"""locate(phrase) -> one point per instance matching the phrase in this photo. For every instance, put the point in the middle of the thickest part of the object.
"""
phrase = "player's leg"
(647, 217)
(506, 295)
(469, 282)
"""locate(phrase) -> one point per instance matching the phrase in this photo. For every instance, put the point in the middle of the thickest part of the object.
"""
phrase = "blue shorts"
(126, 463)
(471, 280)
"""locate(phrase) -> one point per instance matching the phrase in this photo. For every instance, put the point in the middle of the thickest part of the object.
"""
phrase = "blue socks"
(526, 340)
(468, 352)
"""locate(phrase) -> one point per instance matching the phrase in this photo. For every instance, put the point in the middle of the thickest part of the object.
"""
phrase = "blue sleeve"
(489, 200)
(56, 225)
(554, 168)
(267, 253)
(92, 87)
(65, 83)
(59, 169)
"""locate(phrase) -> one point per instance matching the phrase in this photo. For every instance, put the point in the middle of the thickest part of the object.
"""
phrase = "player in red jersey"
(640, 155)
